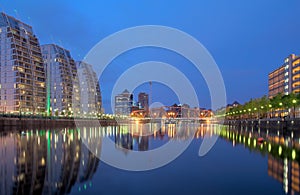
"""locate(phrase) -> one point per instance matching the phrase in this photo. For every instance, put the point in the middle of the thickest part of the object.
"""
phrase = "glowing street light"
(294, 104)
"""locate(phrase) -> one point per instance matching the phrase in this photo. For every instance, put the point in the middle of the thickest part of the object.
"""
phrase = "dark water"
(57, 161)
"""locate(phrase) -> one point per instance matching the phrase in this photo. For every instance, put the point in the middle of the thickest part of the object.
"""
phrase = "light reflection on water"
(56, 161)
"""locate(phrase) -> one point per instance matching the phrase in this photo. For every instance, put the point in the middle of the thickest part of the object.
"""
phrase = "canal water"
(69, 160)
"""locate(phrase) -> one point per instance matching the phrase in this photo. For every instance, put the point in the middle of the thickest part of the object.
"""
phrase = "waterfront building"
(63, 95)
(22, 74)
(123, 103)
(143, 99)
(286, 78)
(90, 98)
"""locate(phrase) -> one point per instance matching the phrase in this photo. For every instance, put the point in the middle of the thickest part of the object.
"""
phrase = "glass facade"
(123, 103)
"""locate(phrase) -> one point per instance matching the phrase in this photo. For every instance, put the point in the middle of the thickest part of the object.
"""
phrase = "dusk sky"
(247, 39)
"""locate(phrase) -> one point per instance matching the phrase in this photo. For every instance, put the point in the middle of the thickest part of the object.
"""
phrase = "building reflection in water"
(53, 161)
(44, 162)
(282, 148)
(137, 136)
(23, 164)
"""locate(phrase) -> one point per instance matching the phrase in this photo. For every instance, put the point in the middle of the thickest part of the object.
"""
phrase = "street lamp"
(270, 107)
(294, 104)
(249, 115)
(280, 104)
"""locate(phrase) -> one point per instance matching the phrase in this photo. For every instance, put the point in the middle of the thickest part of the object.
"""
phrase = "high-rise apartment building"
(22, 74)
(63, 95)
(286, 78)
(123, 103)
(143, 99)
(90, 97)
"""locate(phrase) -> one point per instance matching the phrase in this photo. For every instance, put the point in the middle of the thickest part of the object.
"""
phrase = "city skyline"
(259, 37)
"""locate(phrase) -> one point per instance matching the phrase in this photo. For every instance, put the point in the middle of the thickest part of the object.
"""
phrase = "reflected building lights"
(58, 159)
(29, 166)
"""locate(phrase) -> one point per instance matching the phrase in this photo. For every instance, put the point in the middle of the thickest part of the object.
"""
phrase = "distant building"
(63, 95)
(123, 103)
(90, 98)
(286, 78)
(143, 99)
(233, 105)
(22, 74)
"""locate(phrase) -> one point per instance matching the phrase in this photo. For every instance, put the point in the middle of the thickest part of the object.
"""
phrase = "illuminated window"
(295, 70)
(296, 77)
(296, 62)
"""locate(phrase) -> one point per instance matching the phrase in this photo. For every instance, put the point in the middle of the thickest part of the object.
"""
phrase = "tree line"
(279, 106)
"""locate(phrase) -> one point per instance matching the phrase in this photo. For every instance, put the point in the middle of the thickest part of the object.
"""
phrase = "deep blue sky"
(247, 39)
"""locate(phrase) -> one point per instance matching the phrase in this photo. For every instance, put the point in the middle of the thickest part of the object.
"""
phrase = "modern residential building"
(63, 95)
(143, 99)
(123, 103)
(90, 98)
(286, 78)
(22, 74)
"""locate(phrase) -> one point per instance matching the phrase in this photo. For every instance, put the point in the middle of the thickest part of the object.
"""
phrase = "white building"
(123, 103)
(63, 95)
(22, 74)
(90, 98)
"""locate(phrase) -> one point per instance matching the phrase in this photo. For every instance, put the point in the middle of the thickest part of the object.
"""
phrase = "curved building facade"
(22, 74)
(90, 94)
(63, 95)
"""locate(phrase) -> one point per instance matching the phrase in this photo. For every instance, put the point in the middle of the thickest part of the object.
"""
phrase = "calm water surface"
(56, 161)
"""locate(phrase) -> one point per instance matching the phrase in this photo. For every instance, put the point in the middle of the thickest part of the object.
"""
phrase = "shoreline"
(267, 123)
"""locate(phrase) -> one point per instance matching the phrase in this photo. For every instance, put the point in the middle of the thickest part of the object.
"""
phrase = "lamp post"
(280, 105)
(249, 113)
(270, 107)
(294, 104)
